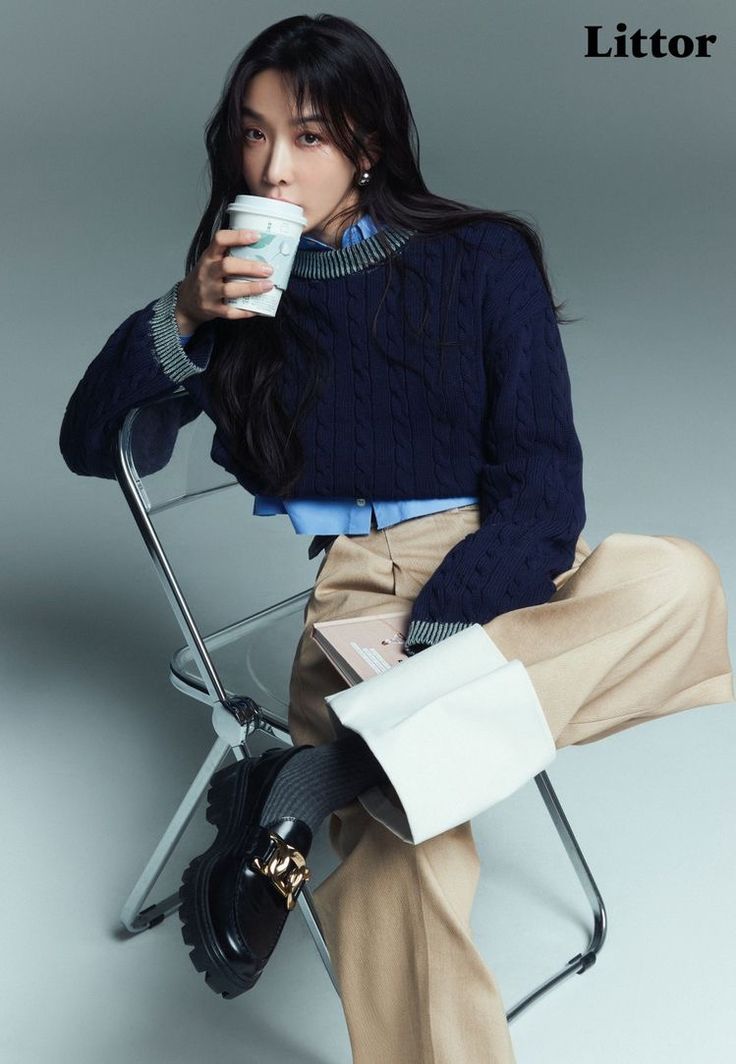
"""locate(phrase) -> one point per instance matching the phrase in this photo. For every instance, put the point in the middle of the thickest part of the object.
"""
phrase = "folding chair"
(241, 670)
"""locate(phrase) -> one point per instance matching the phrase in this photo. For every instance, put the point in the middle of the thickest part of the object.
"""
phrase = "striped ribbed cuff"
(171, 356)
(427, 633)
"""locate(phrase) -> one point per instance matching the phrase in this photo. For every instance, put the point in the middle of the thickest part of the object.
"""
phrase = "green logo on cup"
(278, 251)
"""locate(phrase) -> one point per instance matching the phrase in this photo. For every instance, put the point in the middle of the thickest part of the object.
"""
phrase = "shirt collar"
(364, 227)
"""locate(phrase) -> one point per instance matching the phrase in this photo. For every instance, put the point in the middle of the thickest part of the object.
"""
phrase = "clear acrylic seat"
(183, 504)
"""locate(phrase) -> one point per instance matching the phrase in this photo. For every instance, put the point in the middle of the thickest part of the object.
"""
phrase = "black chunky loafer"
(235, 897)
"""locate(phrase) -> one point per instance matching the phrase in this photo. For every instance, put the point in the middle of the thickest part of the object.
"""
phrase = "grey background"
(624, 166)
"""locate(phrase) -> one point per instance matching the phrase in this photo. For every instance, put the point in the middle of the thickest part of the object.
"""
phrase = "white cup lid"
(264, 205)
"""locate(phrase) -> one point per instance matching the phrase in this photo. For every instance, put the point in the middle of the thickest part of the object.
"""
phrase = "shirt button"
(360, 502)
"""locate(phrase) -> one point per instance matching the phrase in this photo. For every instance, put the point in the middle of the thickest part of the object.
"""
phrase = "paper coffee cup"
(280, 225)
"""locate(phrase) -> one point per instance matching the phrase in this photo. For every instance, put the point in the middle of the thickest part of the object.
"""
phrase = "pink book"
(360, 647)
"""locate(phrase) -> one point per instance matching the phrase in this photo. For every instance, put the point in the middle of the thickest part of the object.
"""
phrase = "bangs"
(310, 95)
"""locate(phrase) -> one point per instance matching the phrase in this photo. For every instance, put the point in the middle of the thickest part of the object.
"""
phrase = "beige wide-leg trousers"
(637, 629)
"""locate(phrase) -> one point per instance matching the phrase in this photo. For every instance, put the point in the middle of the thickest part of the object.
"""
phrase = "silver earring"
(364, 178)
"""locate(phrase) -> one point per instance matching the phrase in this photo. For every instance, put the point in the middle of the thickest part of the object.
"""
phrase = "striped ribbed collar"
(339, 262)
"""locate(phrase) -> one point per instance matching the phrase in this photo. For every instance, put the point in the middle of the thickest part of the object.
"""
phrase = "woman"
(410, 406)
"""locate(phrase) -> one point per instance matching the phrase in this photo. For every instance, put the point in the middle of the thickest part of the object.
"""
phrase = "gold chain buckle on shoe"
(285, 867)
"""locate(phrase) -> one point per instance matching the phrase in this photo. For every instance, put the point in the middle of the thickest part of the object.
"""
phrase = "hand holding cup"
(219, 276)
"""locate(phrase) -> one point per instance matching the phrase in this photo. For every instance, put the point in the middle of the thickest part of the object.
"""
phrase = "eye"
(316, 137)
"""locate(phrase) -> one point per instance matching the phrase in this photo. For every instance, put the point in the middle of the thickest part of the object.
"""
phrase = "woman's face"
(295, 161)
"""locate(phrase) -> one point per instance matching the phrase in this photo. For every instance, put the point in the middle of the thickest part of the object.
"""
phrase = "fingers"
(235, 265)
(224, 239)
(244, 287)
(242, 276)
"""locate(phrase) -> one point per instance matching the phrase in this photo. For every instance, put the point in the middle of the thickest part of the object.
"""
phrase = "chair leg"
(577, 964)
(581, 961)
(133, 916)
(136, 918)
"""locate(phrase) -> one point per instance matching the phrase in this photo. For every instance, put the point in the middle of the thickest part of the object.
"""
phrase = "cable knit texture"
(400, 416)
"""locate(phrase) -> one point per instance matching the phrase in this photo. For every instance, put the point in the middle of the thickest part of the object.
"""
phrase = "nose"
(279, 166)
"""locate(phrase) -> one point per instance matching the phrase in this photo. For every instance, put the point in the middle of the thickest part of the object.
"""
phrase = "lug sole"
(222, 799)
(225, 798)
(197, 931)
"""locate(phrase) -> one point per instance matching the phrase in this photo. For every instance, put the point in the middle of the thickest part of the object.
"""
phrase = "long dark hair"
(349, 79)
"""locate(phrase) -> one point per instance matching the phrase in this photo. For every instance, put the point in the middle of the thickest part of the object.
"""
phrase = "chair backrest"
(217, 562)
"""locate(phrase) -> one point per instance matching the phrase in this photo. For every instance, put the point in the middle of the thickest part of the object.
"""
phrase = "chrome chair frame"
(236, 716)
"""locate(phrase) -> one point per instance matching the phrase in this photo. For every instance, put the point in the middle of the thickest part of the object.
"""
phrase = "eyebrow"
(248, 112)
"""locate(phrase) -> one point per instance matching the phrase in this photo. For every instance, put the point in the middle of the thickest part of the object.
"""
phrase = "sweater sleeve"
(532, 506)
(143, 359)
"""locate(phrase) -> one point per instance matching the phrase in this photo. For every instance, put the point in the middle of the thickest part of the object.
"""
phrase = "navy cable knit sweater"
(399, 417)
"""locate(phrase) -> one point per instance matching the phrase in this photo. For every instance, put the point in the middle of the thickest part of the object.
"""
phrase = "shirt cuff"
(450, 758)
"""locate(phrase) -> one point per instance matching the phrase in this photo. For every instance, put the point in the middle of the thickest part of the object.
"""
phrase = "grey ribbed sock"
(319, 779)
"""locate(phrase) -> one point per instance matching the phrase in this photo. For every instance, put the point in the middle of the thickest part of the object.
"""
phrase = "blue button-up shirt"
(350, 516)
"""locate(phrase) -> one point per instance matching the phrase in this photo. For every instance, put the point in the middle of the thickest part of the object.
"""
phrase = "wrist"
(185, 323)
